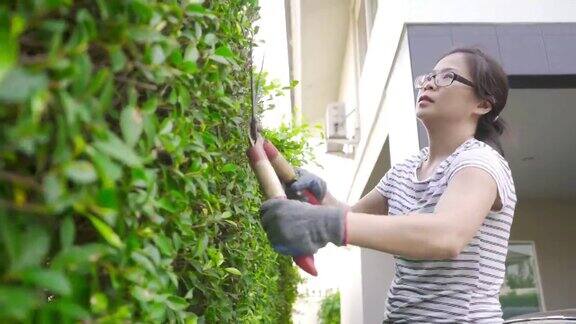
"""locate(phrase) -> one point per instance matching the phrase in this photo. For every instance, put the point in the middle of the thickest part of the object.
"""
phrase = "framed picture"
(521, 292)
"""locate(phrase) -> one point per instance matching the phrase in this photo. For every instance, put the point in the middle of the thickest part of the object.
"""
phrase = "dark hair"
(492, 85)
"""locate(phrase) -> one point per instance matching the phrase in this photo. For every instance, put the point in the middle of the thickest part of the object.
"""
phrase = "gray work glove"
(298, 228)
(306, 180)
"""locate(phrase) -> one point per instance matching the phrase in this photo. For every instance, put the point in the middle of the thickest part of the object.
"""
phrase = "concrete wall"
(389, 137)
(377, 271)
(551, 225)
(520, 48)
(322, 54)
(386, 110)
(274, 49)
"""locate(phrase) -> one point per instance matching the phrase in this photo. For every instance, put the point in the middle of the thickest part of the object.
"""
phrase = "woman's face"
(453, 103)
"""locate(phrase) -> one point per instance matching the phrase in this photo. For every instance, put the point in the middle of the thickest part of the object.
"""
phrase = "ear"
(484, 106)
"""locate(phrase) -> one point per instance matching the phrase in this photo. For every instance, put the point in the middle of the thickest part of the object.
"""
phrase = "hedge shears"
(271, 168)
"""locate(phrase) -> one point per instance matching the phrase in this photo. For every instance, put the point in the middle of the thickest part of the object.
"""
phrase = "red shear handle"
(310, 196)
(284, 170)
(267, 176)
(286, 174)
(306, 263)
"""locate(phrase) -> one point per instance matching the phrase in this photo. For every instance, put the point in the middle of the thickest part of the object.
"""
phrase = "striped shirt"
(464, 289)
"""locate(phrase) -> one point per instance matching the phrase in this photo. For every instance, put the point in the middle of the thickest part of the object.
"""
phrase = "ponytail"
(489, 131)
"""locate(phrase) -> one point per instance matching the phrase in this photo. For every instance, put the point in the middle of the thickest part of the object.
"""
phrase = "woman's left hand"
(298, 228)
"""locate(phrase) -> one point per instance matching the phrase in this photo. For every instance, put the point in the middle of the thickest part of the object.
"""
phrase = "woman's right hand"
(309, 181)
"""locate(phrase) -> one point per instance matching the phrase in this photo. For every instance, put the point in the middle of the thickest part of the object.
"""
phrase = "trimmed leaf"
(19, 85)
(53, 280)
(52, 188)
(81, 172)
(192, 319)
(219, 59)
(9, 29)
(164, 244)
(98, 302)
(131, 125)
(17, 302)
(189, 67)
(67, 233)
(191, 54)
(117, 149)
(158, 55)
(196, 8)
(234, 271)
(107, 232)
(71, 309)
(177, 303)
(210, 39)
(117, 58)
(229, 168)
(34, 247)
(224, 51)
(107, 169)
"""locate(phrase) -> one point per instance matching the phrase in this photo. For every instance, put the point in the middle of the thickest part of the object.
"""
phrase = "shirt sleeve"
(490, 161)
(383, 186)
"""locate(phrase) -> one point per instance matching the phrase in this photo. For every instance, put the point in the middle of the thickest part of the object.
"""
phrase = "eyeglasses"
(442, 79)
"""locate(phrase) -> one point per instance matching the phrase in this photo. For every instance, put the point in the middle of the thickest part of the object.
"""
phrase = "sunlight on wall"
(273, 46)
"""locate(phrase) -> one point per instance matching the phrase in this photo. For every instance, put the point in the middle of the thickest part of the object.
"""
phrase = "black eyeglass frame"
(455, 77)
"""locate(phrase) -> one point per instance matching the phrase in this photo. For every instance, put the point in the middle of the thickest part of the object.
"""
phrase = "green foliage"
(293, 141)
(517, 281)
(329, 312)
(513, 299)
(125, 192)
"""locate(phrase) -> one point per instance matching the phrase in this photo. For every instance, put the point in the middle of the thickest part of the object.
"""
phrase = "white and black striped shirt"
(460, 290)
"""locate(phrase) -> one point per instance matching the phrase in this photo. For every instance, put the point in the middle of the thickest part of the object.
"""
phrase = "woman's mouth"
(424, 101)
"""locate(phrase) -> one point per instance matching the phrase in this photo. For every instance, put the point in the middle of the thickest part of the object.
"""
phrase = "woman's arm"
(439, 235)
(372, 203)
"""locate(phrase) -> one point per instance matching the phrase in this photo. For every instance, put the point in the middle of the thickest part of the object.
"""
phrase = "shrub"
(125, 192)
(329, 312)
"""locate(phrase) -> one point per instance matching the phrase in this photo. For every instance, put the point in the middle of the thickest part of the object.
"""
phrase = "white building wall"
(295, 49)
(273, 48)
(378, 62)
(395, 117)
(348, 91)
(351, 278)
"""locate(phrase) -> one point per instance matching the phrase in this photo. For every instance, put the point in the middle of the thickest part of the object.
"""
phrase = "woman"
(451, 204)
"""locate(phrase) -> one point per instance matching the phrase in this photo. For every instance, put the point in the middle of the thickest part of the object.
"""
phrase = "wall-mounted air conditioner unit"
(342, 132)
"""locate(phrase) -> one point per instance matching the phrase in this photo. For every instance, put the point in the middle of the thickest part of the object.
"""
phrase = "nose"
(429, 84)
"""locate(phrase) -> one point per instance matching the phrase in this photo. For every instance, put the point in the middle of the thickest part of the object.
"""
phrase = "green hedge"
(125, 193)
(329, 312)
(513, 299)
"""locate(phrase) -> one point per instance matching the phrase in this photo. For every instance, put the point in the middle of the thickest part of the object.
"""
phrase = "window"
(521, 292)
(364, 16)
